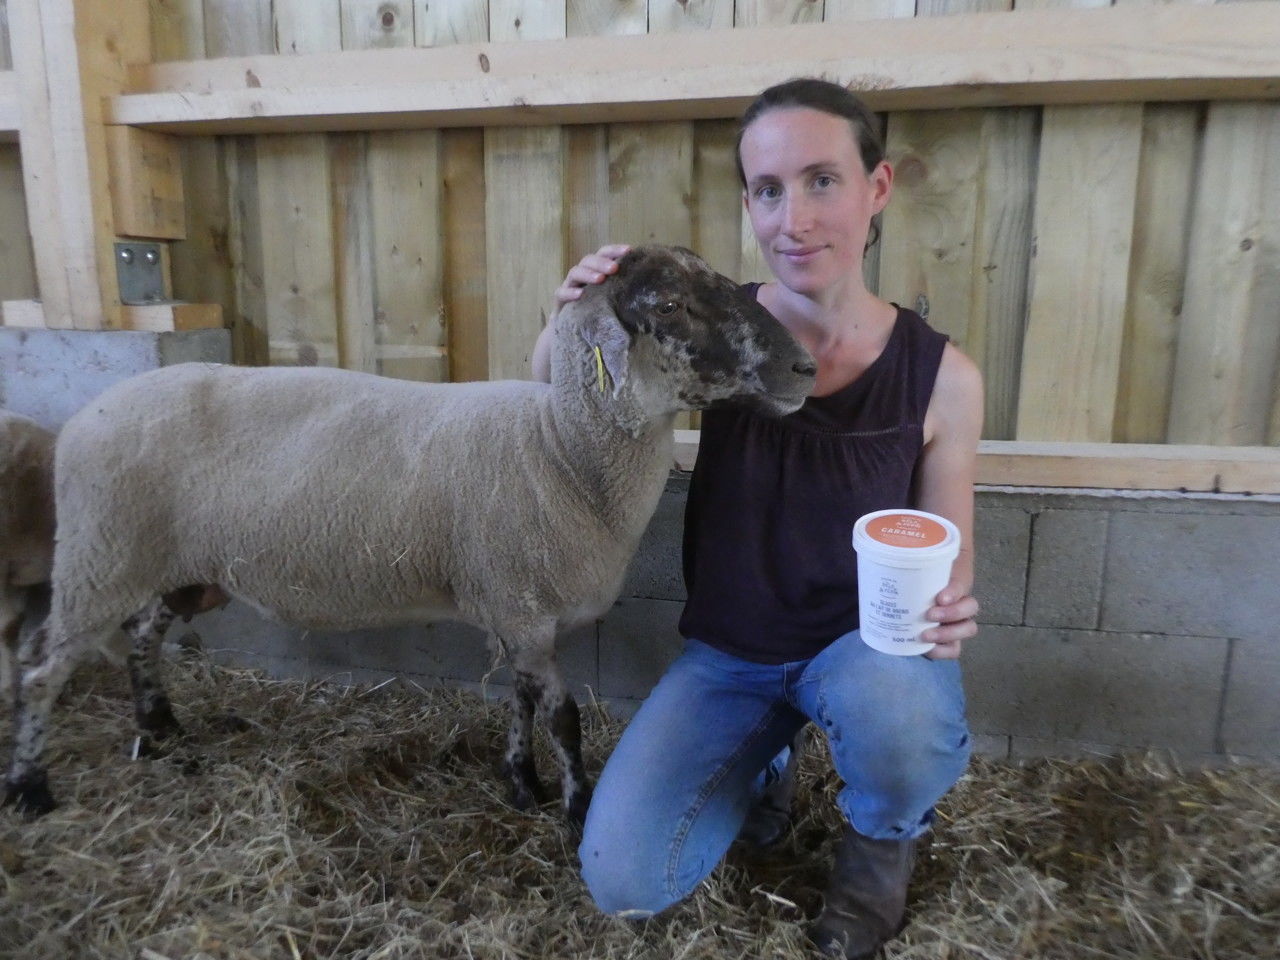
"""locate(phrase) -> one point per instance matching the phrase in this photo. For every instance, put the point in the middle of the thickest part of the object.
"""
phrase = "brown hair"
(825, 97)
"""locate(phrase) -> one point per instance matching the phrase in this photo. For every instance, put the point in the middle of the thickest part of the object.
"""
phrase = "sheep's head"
(680, 334)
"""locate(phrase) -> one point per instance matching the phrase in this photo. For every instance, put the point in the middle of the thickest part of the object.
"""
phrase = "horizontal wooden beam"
(10, 112)
(1112, 466)
(1129, 53)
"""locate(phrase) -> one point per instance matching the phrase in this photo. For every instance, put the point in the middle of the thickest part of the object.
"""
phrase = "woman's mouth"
(800, 255)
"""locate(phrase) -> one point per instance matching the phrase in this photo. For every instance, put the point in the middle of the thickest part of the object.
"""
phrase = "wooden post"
(87, 183)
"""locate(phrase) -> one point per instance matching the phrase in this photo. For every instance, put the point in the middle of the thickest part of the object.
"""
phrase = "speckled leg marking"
(518, 767)
(10, 624)
(538, 681)
(150, 703)
(27, 784)
(561, 713)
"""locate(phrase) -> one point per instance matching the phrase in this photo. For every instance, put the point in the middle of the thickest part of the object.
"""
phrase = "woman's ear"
(882, 185)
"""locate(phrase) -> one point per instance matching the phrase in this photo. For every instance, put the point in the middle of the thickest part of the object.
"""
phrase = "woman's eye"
(823, 181)
(767, 193)
(668, 308)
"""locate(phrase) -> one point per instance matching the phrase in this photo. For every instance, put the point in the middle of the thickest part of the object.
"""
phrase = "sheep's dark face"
(709, 337)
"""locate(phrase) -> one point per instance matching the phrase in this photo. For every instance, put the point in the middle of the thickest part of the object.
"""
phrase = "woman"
(771, 619)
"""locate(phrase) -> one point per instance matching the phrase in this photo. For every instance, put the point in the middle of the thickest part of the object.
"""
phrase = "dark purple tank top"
(768, 555)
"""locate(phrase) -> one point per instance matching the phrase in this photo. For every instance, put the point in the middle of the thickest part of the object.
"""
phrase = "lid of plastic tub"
(906, 533)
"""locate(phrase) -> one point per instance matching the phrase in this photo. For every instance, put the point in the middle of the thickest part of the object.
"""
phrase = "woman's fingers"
(593, 268)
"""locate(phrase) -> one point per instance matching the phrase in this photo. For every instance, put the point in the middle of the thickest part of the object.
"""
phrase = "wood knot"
(387, 17)
(484, 63)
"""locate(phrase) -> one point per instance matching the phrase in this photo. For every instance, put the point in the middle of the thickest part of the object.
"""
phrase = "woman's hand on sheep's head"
(593, 268)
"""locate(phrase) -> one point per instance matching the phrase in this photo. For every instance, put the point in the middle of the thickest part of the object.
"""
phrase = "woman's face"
(809, 197)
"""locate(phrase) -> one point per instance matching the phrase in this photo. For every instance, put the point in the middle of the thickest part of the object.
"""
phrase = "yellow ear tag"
(599, 368)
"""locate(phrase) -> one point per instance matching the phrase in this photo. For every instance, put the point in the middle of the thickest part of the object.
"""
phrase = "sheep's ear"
(604, 331)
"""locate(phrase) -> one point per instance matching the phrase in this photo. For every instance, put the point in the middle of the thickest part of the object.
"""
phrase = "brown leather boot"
(866, 896)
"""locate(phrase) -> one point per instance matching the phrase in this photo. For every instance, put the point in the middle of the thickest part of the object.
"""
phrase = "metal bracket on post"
(139, 273)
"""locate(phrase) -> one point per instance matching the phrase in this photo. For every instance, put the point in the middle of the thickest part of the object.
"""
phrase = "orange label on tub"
(906, 530)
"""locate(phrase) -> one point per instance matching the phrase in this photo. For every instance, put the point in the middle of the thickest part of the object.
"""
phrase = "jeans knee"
(620, 883)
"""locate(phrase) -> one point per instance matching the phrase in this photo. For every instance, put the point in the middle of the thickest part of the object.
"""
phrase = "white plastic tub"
(904, 562)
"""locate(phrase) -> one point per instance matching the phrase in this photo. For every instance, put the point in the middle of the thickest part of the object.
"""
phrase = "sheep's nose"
(806, 368)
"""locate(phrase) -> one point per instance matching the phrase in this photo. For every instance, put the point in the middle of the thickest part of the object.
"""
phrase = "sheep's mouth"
(772, 404)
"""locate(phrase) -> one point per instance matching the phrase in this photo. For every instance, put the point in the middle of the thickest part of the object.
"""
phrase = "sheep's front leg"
(150, 703)
(518, 766)
(538, 681)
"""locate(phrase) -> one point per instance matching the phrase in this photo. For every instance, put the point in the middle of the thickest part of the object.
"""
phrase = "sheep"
(26, 531)
(331, 499)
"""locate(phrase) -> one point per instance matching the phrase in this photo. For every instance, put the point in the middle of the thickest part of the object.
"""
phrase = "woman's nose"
(797, 217)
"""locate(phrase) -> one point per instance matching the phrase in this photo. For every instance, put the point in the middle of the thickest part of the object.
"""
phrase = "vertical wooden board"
(462, 217)
(1224, 374)
(651, 182)
(1083, 231)
(524, 240)
(586, 189)
(526, 20)
(1002, 243)
(17, 265)
(438, 23)
(306, 26)
(201, 264)
(717, 196)
(1157, 270)
(524, 207)
(404, 178)
(177, 29)
(928, 258)
(761, 13)
(353, 251)
(843, 10)
(666, 16)
(248, 320)
(297, 249)
(464, 261)
(591, 18)
(994, 296)
(238, 28)
(376, 23)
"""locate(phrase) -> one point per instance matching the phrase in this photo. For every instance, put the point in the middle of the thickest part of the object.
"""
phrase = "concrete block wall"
(1111, 622)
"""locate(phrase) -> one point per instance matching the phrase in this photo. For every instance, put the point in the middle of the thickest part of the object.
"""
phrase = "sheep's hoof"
(159, 723)
(29, 794)
(527, 791)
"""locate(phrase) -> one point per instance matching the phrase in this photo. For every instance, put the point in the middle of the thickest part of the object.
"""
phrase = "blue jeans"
(677, 788)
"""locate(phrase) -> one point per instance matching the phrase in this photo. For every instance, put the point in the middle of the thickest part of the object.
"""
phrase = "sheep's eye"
(668, 308)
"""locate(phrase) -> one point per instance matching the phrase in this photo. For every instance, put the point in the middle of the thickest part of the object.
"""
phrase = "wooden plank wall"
(1115, 270)
(17, 264)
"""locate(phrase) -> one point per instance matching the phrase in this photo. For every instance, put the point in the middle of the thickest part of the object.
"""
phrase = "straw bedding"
(317, 820)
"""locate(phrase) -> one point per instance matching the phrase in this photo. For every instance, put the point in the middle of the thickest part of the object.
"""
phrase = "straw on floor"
(317, 820)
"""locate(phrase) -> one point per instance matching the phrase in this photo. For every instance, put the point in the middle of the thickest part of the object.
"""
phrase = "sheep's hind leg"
(27, 783)
(150, 702)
